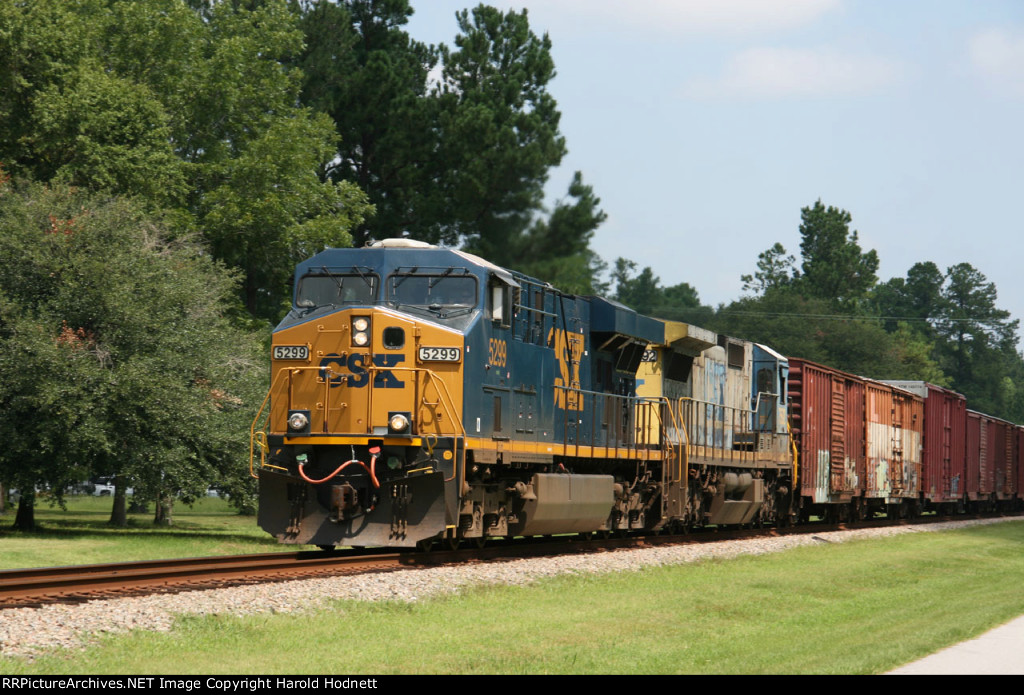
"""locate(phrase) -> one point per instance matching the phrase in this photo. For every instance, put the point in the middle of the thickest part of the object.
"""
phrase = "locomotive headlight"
(360, 331)
(398, 423)
(298, 421)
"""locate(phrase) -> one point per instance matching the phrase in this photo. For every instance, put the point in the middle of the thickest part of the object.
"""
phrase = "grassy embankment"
(857, 607)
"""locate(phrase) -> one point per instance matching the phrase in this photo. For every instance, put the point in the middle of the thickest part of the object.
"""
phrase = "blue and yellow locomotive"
(421, 393)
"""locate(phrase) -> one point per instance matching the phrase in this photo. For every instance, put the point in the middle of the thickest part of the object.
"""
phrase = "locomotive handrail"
(682, 453)
(796, 456)
(449, 409)
(633, 444)
(721, 427)
(260, 437)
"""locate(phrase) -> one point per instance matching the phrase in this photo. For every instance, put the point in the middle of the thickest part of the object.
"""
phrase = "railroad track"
(32, 587)
(77, 583)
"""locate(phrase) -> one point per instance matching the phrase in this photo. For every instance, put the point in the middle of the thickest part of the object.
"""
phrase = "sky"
(705, 126)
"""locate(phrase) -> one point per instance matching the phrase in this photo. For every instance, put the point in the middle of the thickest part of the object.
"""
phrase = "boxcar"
(895, 429)
(943, 447)
(827, 412)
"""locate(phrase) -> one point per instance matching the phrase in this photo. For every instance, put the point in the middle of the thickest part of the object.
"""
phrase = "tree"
(641, 292)
(916, 300)
(103, 131)
(41, 44)
(364, 70)
(558, 249)
(192, 110)
(912, 356)
(978, 345)
(834, 267)
(269, 210)
(499, 127)
(51, 387)
(788, 322)
(116, 353)
(455, 155)
(775, 270)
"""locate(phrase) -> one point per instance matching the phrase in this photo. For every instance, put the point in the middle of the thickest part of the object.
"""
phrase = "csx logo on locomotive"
(360, 376)
(569, 353)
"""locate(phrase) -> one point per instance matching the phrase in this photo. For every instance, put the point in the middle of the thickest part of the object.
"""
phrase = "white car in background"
(104, 487)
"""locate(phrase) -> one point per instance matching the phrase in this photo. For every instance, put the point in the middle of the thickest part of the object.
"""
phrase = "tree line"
(941, 326)
(164, 165)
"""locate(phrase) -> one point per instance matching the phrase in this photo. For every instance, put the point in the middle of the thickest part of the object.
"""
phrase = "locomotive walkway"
(998, 652)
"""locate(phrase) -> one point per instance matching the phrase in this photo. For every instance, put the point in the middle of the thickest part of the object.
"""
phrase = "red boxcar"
(942, 456)
(895, 429)
(827, 414)
(979, 485)
(1019, 463)
(1004, 454)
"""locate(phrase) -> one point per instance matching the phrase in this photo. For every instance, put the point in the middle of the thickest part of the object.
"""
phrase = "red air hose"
(375, 452)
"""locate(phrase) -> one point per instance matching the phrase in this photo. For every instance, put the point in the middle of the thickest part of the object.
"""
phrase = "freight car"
(896, 447)
(422, 394)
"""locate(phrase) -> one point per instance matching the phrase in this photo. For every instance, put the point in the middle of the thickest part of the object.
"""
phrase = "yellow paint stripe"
(355, 441)
(510, 447)
(557, 449)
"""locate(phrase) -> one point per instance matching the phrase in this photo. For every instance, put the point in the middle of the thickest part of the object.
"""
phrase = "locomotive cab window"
(500, 297)
(444, 293)
(335, 289)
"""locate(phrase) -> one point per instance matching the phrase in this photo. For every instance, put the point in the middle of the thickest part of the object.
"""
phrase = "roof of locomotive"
(405, 252)
(388, 254)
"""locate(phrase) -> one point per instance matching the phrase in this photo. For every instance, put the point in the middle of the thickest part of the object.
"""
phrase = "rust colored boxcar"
(895, 429)
(942, 458)
(1004, 444)
(980, 482)
(827, 411)
(1019, 463)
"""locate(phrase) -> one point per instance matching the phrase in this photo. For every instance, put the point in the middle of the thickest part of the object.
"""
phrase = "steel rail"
(81, 582)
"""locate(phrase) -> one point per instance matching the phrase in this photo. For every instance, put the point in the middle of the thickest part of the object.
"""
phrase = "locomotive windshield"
(334, 289)
(443, 293)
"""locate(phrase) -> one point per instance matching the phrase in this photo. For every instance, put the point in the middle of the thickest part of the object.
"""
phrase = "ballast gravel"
(25, 632)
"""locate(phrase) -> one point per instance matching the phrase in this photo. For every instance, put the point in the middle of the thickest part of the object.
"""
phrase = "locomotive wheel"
(450, 540)
(425, 546)
(480, 542)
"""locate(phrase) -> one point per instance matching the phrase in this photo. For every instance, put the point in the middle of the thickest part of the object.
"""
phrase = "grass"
(853, 608)
(80, 535)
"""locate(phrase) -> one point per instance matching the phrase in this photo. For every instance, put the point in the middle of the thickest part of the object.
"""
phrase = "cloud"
(784, 72)
(997, 56)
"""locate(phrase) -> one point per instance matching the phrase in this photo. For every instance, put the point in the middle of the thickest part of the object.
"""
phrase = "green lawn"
(852, 608)
(81, 534)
